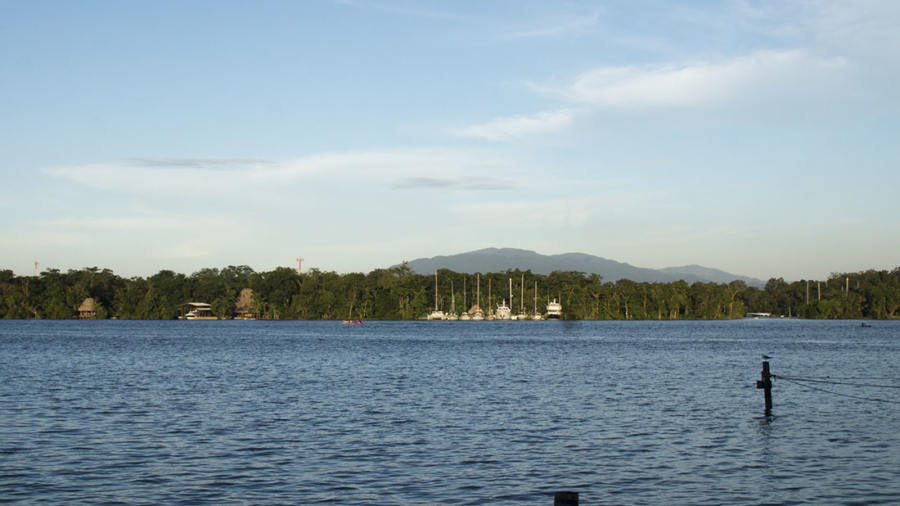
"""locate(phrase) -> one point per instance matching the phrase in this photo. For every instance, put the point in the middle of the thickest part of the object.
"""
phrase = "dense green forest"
(399, 294)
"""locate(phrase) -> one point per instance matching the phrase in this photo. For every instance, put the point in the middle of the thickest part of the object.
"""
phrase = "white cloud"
(213, 179)
(452, 183)
(761, 75)
(512, 127)
(390, 164)
(163, 176)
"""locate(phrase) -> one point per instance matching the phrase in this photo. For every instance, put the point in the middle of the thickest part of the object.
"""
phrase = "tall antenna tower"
(299, 265)
(36, 268)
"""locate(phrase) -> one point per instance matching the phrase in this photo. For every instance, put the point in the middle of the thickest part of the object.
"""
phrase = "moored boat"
(437, 314)
(535, 315)
(554, 310)
(476, 312)
(503, 312)
(451, 316)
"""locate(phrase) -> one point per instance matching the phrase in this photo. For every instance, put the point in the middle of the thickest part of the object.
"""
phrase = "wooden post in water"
(766, 384)
(565, 499)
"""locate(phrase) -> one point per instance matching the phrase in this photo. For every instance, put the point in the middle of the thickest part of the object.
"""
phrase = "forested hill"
(400, 294)
(501, 259)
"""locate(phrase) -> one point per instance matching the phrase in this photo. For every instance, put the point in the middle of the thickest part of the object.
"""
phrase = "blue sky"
(758, 137)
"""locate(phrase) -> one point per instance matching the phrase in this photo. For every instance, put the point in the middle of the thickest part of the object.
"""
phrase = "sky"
(757, 137)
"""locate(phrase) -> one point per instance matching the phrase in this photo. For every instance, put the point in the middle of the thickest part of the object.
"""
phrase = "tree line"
(399, 294)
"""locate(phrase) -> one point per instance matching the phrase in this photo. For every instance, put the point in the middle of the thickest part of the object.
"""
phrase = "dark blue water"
(265, 413)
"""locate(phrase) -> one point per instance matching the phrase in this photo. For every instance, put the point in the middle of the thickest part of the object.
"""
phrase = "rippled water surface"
(650, 413)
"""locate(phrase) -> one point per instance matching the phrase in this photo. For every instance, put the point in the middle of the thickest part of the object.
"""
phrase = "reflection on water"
(440, 413)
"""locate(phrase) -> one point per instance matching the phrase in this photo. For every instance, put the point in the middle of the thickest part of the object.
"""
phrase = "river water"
(400, 413)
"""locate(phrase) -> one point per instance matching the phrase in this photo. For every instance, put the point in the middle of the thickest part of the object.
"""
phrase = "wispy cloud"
(700, 84)
(389, 168)
(461, 184)
(197, 163)
(777, 82)
(512, 127)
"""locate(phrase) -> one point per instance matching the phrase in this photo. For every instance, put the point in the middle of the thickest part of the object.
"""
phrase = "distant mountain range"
(501, 259)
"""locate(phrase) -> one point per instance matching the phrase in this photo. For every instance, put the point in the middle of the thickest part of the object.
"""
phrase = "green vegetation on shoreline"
(400, 294)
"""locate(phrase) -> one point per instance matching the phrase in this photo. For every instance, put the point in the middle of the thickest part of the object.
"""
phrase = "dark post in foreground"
(766, 383)
(565, 499)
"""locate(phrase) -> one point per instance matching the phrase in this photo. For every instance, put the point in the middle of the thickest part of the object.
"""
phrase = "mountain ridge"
(502, 259)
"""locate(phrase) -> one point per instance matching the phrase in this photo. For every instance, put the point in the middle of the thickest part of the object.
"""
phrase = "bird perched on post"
(766, 357)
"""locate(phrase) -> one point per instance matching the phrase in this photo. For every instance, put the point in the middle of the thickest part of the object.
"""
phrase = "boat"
(197, 311)
(490, 315)
(465, 316)
(521, 315)
(350, 320)
(437, 314)
(864, 324)
(452, 316)
(535, 315)
(503, 312)
(554, 310)
(476, 312)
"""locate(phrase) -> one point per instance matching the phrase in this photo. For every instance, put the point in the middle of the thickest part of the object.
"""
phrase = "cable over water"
(801, 382)
(830, 382)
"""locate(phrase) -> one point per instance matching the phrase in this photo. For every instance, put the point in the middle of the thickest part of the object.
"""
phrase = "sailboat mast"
(522, 301)
(435, 291)
(478, 291)
(452, 298)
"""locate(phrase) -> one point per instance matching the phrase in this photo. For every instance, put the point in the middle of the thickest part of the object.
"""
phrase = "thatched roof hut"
(243, 307)
(87, 310)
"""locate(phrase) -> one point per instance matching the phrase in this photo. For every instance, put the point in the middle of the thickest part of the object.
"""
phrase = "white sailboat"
(535, 315)
(436, 314)
(521, 315)
(465, 314)
(490, 315)
(477, 313)
(452, 316)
